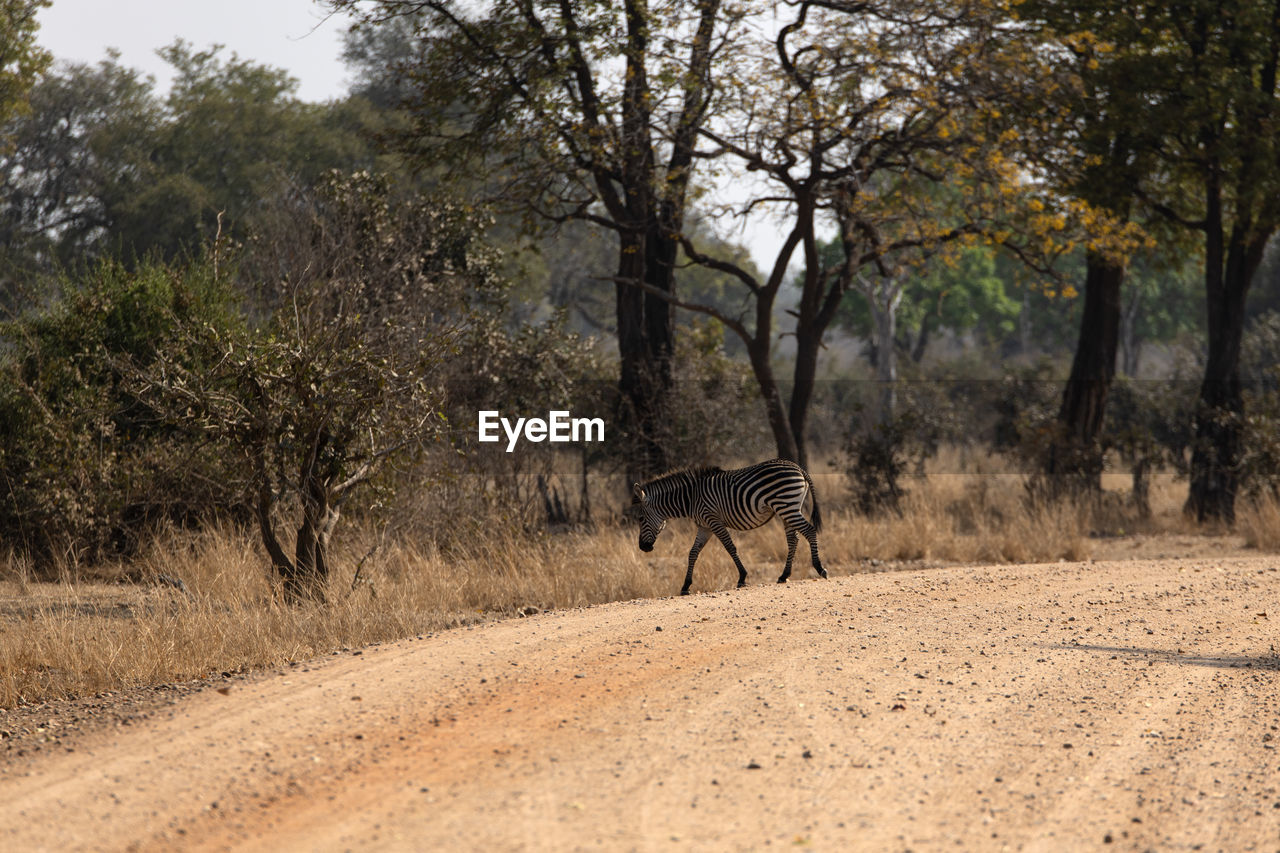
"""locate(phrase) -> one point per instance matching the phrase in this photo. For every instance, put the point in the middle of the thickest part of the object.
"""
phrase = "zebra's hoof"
(822, 573)
(782, 579)
(684, 592)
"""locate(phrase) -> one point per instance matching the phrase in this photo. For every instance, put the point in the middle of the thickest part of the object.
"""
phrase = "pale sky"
(289, 34)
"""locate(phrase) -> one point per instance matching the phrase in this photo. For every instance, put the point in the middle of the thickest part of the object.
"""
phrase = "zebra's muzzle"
(646, 546)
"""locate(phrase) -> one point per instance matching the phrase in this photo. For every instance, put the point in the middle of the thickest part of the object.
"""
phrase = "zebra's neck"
(673, 494)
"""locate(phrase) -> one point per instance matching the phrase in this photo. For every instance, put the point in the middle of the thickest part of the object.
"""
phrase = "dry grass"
(70, 639)
(1258, 520)
(78, 638)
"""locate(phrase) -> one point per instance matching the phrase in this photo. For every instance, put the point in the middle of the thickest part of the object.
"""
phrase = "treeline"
(915, 131)
(224, 302)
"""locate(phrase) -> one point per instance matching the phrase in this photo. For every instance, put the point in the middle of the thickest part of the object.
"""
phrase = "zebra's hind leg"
(791, 553)
(727, 541)
(811, 534)
(698, 542)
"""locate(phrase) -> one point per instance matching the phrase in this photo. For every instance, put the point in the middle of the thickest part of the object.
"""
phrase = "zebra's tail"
(816, 519)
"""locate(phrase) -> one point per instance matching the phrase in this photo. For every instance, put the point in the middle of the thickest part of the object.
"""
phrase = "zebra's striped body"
(719, 501)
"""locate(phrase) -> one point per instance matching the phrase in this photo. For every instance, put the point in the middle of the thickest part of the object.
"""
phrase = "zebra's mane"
(660, 483)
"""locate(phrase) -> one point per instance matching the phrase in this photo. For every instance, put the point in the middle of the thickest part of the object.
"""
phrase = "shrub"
(86, 461)
(879, 452)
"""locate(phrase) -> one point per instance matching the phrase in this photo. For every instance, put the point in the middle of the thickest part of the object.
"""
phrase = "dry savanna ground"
(1183, 630)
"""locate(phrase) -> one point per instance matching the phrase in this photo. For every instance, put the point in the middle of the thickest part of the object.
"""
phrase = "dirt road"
(1046, 707)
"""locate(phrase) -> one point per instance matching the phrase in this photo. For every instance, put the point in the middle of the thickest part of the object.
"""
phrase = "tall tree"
(102, 165)
(87, 129)
(1221, 177)
(1107, 135)
(852, 113)
(584, 110)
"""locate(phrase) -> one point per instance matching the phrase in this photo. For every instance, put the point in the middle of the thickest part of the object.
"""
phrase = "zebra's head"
(651, 521)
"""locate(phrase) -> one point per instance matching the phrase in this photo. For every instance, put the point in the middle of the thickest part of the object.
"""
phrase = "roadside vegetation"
(127, 623)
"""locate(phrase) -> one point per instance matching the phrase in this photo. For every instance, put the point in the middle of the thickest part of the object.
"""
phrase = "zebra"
(741, 499)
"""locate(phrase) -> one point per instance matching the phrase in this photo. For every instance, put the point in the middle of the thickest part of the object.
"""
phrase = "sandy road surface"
(1127, 705)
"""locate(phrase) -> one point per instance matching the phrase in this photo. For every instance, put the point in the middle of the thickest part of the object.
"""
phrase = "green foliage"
(21, 59)
(73, 158)
(235, 137)
(962, 292)
(101, 165)
(86, 463)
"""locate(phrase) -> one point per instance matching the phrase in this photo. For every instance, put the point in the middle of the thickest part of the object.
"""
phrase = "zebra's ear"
(638, 492)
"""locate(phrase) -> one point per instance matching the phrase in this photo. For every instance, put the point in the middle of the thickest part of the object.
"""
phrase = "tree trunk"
(922, 340)
(1218, 446)
(311, 549)
(805, 373)
(1130, 346)
(646, 337)
(285, 569)
(1074, 458)
(779, 421)
(1024, 323)
(1141, 476)
(884, 314)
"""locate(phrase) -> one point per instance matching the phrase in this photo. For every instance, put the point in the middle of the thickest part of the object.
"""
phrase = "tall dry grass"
(81, 637)
(74, 639)
(1258, 520)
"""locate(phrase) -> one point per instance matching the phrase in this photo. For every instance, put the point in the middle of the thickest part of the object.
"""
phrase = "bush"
(1261, 439)
(1148, 424)
(878, 453)
(87, 462)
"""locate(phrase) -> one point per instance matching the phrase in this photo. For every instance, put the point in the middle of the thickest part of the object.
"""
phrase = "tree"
(1162, 302)
(850, 116)
(87, 131)
(235, 136)
(100, 165)
(86, 465)
(578, 110)
(1107, 137)
(961, 292)
(1219, 175)
(346, 374)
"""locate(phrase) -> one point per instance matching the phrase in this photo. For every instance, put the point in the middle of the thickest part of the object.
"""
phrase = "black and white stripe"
(719, 501)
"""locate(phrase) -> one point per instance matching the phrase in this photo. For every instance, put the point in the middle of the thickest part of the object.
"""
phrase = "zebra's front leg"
(727, 541)
(791, 553)
(698, 542)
